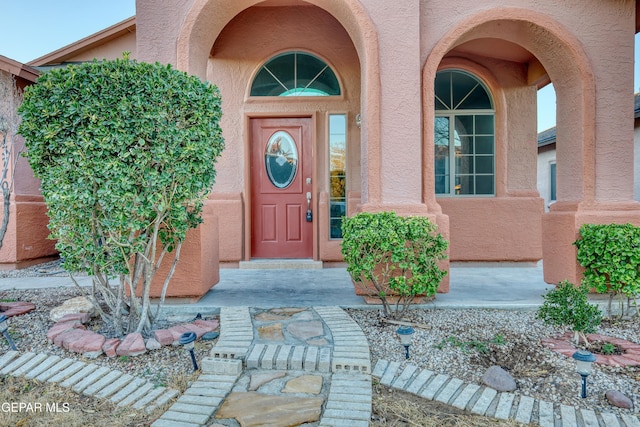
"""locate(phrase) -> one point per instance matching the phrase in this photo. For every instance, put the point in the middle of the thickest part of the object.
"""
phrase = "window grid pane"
(295, 74)
(552, 171)
(337, 173)
(442, 163)
(470, 153)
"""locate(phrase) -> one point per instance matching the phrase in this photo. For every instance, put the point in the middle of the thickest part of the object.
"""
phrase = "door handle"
(309, 213)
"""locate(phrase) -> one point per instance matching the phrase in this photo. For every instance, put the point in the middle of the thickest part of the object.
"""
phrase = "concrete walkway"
(342, 362)
(495, 285)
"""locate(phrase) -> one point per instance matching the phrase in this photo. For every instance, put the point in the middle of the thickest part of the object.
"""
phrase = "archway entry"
(281, 188)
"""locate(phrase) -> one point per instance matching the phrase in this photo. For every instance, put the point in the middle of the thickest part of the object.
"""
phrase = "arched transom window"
(295, 74)
(464, 136)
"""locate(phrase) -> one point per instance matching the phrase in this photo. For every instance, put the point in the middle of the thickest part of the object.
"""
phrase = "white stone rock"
(153, 344)
(74, 305)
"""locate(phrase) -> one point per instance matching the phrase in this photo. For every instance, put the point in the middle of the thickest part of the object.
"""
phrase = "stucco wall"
(248, 41)
(111, 50)
(26, 235)
(398, 49)
(157, 26)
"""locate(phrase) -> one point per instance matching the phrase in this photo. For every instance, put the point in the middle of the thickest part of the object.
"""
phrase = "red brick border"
(71, 334)
(17, 308)
(631, 356)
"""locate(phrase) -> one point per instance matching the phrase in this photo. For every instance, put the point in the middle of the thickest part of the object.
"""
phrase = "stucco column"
(595, 177)
(400, 172)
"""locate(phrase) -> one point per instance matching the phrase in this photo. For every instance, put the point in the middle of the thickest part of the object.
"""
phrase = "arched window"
(295, 74)
(464, 135)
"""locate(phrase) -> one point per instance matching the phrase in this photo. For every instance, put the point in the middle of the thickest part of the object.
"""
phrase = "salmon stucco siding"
(432, 112)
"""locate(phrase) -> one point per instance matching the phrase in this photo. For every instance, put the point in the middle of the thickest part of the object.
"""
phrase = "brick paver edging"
(201, 400)
(350, 345)
(486, 401)
(236, 333)
(88, 379)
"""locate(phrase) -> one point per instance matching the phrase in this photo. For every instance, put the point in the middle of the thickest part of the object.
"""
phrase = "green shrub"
(568, 306)
(125, 152)
(608, 348)
(394, 255)
(610, 255)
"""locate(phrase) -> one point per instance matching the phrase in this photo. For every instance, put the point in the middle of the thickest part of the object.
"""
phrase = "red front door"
(281, 188)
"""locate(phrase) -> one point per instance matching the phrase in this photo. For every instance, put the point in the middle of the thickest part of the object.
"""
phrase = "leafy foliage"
(610, 254)
(568, 306)
(395, 255)
(125, 152)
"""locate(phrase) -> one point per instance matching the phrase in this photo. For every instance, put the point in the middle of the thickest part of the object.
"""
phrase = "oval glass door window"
(281, 159)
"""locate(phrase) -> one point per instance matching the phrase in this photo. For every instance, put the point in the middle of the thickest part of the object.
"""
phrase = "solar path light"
(584, 361)
(4, 328)
(187, 341)
(406, 337)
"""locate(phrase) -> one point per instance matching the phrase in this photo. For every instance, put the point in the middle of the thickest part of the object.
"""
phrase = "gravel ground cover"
(464, 343)
(165, 367)
(460, 343)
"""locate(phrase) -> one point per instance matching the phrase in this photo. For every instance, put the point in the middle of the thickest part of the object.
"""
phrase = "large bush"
(125, 151)
(610, 255)
(393, 256)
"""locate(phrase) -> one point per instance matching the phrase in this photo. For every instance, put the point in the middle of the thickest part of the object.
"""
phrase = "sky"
(33, 28)
(39, 27)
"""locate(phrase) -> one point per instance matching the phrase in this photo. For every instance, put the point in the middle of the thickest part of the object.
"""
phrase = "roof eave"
(18, 69)
(110, 33)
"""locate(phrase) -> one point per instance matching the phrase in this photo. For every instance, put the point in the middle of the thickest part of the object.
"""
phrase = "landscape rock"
(207, 325)
(270, 317)
(618, 399)
(311, 384)
(258, 380)
(164, 337)
(498, 379)
(288, 311)
(79, 317)
(132, 345)
(110, 347)
(153, 344)
(16, 308)
(61, 327)
(254, 409)
(68, 336)
(88, 343)
(72, 306)
(304, 315)
(305, 330)
(272, 332)
(75, 342)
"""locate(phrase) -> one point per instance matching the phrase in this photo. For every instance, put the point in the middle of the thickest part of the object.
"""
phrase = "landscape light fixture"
(187, 341)
(584, 360)
(406, 337)
(4, 328)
